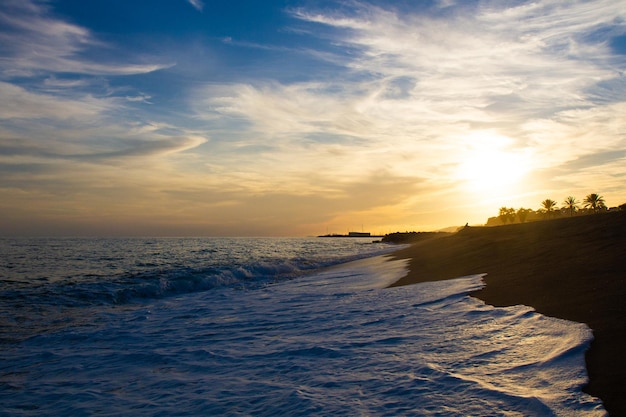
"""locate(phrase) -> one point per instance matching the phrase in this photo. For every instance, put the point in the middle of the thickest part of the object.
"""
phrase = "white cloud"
(34, 43)
(415, 88)
(197, 4)
(507, 65)
(59, 117)
(396, 120)
(18, 103)
(39, 127)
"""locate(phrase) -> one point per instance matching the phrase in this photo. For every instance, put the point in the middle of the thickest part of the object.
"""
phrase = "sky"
(303, 117)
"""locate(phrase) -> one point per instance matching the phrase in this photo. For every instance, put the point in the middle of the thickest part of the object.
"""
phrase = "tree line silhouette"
(593, 203)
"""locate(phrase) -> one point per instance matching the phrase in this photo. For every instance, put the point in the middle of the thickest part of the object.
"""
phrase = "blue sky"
(303, 117)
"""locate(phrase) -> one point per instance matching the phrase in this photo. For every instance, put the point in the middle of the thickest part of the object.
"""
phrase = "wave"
(157, 282)
(310, 346)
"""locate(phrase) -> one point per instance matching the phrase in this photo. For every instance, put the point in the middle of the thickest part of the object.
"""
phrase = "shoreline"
(569, 268)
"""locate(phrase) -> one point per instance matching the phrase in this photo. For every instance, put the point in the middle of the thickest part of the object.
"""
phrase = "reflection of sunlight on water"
(488, 165)
(537, 352)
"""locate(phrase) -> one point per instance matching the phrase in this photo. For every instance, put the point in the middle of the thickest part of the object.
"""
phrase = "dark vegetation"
(592, 204)
(411, 237)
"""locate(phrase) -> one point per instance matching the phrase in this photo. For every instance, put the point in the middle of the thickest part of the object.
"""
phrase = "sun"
(487, 163)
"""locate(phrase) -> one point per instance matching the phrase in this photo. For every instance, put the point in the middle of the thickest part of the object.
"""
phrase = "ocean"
(264, 327)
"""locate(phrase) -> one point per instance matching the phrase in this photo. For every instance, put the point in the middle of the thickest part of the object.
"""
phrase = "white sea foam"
(332, 343)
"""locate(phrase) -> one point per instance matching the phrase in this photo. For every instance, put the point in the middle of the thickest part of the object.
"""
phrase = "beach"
(570, 268)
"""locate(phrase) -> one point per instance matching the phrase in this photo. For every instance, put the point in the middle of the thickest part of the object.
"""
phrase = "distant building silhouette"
(359, 234)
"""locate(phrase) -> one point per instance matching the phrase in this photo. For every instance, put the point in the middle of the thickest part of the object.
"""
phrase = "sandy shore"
(570, 268)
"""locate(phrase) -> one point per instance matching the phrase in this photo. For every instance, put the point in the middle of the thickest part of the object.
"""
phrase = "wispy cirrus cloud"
(536, 51)
(34, 42)
(352, 112)
(19, 103)
(197, 4)
(46, 114)
(45, 137)
(121, 148)
(420, 83)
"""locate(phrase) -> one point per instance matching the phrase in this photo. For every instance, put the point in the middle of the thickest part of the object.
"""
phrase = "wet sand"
(570, 268)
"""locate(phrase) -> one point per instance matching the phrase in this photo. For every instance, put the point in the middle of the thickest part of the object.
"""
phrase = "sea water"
(263, 327)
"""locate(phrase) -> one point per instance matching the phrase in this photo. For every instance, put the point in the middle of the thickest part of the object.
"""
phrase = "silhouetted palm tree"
(548, 205)
(506, 214)
(595, 202)
(522, 213)
(571, 204)
(511, 214)
(502, 215)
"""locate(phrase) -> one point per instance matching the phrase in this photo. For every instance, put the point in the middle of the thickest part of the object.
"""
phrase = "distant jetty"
(352, 234)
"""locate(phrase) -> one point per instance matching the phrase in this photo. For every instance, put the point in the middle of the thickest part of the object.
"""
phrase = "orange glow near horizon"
(403, 127)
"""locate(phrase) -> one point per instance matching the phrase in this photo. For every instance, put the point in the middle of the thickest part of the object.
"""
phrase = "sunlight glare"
(487, 164)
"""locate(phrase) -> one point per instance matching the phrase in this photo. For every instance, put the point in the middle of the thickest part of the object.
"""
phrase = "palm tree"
(549, 206)
(522, 213)
(571, 204)
(506, 214)
(594, 202)
(503, 215)
(511, 213)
